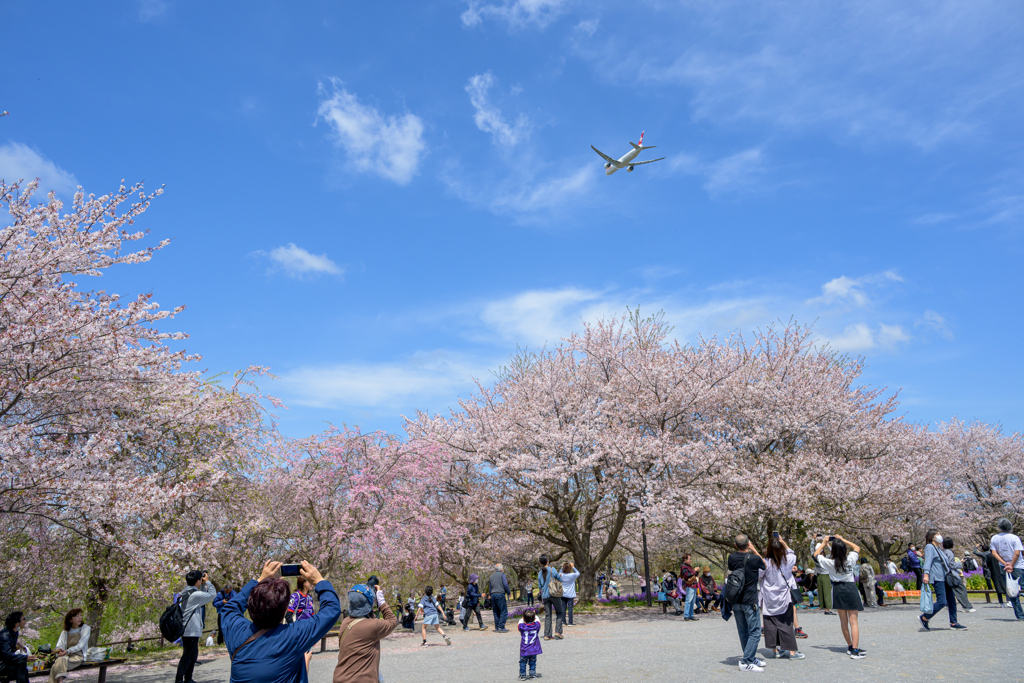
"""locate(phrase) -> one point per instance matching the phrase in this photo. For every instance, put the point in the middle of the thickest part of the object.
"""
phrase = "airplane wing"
(649, 161)
(606, 157)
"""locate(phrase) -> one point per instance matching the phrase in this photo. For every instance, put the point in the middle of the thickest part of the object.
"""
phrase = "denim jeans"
(531, 660)
(943, 598)
(691, 598)
(748, 624)
(1019, 575)
(500, 608)
(553, 606)
(567, 605)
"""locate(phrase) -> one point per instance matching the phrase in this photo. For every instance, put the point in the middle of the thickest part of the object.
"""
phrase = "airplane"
(626, 161)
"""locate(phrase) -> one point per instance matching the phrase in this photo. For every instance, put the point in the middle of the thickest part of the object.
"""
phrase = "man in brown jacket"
(359, 651)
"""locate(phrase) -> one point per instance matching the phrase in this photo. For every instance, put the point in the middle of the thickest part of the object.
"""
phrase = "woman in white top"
(842, 570)
(568, 578)
(72, 646)
(776, 601)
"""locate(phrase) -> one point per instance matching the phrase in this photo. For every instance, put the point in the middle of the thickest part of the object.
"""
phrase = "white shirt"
(891, 567)
(83, 641)
(1005, 545)
(568, 583)
(829, 565)
(775, 584)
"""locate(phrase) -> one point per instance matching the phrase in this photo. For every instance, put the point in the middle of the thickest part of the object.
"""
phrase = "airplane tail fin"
(639, 145)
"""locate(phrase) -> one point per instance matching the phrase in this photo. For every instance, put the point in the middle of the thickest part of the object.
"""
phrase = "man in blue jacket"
(264, 650)
(223, 595)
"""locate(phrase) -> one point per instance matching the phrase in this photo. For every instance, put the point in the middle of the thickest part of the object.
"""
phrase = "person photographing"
(360, 635)
(264, 650)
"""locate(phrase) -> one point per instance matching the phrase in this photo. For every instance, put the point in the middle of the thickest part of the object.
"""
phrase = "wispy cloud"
(852, 290)
(388, 146)
(152, 10)
(488, 117)
(525, 194)
(516, 13)
(422, 377)
(21, 162)
(299, 263)
(935, 322)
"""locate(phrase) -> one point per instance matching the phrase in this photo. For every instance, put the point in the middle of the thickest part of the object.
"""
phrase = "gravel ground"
(645, 645)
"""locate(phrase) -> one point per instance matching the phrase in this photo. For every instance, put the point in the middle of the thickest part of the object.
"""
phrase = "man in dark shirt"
(748, 616)
(914, 560)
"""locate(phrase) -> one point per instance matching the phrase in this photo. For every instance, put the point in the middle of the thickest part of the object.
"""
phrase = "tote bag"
(926, 599)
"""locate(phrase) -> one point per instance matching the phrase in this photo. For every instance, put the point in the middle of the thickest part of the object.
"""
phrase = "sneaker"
(958, 627)
(760, 662)
(523, 677)
(800, 633)
(548, 638)
(777, 654)
(482, 628)
(795, 655)
(828, 611)
(971, 610)
(465, 628)
(558, 636)
(750, 667)
(857, 654)
(423, 644)
(924, 622)
(535, 675)
(447, 640)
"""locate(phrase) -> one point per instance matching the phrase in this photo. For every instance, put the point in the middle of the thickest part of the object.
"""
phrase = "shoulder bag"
(953, 579)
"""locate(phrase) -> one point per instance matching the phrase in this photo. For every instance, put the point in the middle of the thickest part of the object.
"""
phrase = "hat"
(473, 578)
(360, 601)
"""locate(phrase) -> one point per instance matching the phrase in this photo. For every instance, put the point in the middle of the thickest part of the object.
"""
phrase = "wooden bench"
(917, 594)
(333, 633)
(102, 666)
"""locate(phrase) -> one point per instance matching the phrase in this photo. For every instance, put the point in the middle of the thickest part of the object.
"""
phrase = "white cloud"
(388, 146)
(298, 262)
(517, 13)
(21, 162)
(891, 335)
(856, 337)
(850, 290)
(488, 118)
(585, 28)
(423, 375)
(936, 323)
(537, 317)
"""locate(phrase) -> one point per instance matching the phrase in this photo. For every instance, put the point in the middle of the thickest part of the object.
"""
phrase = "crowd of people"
(762, 593)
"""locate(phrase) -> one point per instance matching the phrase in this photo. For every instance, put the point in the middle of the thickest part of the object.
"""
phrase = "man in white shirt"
(890, 567)
(1008, 551)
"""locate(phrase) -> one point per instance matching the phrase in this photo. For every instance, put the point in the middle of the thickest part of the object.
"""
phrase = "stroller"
(449, 615)
(409, 620)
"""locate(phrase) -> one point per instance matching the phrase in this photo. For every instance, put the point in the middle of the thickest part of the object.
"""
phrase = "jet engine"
(629, 169)
(608, 165)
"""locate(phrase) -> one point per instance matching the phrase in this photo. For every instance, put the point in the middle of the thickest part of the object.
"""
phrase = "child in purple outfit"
(529, 644)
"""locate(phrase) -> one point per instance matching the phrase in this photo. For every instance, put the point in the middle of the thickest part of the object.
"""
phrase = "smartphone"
(290, 569)
(831, 538)
(775, 534)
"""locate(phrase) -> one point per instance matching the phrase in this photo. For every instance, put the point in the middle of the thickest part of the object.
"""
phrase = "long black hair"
(776, 553)
(13, 619)
(839, 555)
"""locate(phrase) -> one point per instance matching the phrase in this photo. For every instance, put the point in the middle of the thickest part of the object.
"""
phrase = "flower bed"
(975, 580)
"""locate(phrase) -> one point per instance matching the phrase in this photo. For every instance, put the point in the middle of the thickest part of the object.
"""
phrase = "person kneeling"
(264, 650)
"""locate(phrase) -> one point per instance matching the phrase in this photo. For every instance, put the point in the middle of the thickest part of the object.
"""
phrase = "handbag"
(555, 588)
(661, 596)
(953, 579)
(796, 596)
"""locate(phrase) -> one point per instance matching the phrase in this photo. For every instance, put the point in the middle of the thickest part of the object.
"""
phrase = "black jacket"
(10, 659)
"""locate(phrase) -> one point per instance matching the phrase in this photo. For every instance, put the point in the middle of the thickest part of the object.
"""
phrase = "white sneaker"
(750, 667)
(760, 662)
(971, 610)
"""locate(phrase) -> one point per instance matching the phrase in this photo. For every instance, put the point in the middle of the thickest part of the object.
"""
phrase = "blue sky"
(380, 201)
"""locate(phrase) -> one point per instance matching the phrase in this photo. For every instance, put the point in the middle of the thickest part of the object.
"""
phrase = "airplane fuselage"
(610, 168)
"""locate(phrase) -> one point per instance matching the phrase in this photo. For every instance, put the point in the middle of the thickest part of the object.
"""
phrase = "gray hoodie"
(191, 612)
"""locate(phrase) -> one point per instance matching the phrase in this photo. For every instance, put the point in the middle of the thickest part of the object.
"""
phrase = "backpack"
(905, 564)
(555, 588)
(172, 621)
(733, 591)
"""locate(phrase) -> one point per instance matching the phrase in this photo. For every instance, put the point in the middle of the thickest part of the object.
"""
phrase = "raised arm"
(853, 546)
